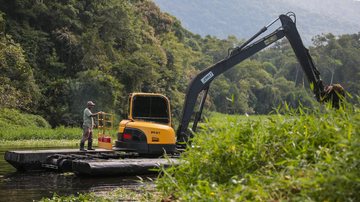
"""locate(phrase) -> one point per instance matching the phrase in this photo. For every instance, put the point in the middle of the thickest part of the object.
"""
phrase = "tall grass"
(15, 125)
(28, 133)
(142, 192)
(313, 156)
(40, 143)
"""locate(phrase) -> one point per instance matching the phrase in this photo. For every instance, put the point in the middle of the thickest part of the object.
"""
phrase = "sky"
(243, 18)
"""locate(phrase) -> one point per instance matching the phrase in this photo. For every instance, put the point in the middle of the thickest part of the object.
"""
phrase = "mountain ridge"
(243, 18)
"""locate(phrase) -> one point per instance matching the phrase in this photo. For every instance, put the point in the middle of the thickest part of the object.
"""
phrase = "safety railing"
(105, 126)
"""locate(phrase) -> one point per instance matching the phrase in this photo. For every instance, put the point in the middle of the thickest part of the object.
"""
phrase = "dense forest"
(56, 55)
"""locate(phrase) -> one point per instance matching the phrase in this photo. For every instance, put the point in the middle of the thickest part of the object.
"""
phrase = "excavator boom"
(203, 80)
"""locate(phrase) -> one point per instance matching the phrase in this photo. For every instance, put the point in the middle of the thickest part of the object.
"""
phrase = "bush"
(14, 118)
(15, 125)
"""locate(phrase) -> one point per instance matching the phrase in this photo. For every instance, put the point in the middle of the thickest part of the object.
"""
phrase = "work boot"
(90, 146)
(82, 146)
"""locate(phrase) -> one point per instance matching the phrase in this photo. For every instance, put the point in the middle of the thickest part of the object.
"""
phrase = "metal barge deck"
(94, 163)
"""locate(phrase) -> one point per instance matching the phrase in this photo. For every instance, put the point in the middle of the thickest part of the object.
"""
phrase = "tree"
(18, 88)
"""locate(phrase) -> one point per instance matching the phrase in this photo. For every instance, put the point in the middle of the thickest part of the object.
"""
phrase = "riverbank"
(143, 192)
(41, 143)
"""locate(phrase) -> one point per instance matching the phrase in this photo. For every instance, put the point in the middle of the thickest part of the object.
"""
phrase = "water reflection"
(28, 186)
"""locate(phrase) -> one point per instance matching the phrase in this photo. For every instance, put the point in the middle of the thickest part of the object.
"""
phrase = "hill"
(243, 18)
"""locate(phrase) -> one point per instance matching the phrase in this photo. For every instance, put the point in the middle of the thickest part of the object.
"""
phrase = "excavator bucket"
(335, 94)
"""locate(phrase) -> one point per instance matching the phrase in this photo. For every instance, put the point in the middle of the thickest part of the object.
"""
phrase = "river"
(29, 186)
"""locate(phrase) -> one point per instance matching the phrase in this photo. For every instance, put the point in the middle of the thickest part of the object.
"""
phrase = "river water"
(32, 186)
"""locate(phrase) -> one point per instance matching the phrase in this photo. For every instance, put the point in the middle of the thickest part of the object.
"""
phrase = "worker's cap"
(90, 103)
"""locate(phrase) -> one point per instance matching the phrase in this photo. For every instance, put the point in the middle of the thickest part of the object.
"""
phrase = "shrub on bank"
(297, 156)
(11, 118)
(15, 125)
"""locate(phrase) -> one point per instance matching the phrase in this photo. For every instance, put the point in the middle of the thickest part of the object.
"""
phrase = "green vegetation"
(40, 143)
(11, 118)
(15, 125)
(298, 156)
(28, 133)
(142, 193)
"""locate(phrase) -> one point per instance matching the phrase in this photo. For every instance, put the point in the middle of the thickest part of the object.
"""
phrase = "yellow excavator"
(148, 131)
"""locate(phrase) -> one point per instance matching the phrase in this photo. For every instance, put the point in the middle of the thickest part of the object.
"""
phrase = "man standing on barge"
(88, 125)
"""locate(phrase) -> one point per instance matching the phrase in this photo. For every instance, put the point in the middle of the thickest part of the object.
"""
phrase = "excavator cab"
(147, 130)
(151, 108)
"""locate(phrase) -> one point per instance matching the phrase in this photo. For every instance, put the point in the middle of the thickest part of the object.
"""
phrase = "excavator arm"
(203, 80)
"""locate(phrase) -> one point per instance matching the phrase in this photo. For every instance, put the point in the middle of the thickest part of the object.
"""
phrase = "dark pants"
(87, 135)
